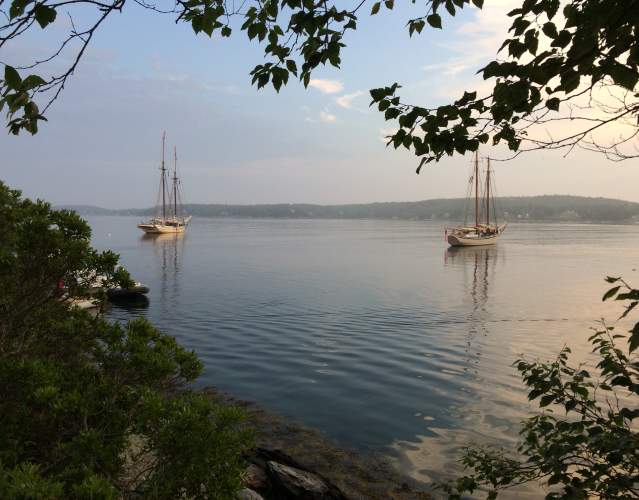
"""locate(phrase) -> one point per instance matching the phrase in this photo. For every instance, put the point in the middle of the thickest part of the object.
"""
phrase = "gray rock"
(299, 484)
(247, 494)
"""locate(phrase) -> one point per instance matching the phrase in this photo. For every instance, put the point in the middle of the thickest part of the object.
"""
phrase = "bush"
(592, 450)
(91, 409)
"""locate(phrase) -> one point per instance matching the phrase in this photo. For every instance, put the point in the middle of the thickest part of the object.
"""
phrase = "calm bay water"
(372, 331)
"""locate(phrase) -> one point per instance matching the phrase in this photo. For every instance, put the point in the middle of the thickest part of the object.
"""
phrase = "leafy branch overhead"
(571, 63)
(566, 59)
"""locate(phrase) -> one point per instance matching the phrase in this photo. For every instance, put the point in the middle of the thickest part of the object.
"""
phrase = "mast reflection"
(478, 267)
(167, 251)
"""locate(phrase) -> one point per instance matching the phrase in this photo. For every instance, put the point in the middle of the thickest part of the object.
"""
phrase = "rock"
(255, 478)
(248, 494)
(297, 484)
(261, 456)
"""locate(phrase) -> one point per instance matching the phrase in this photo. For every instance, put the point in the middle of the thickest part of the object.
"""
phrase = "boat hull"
(119, 292)
(461, 241)
(161, 229)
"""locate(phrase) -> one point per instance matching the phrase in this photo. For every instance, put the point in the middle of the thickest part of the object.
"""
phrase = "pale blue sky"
(144, 74)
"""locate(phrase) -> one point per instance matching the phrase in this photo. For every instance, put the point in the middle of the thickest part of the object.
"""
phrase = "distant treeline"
(537, 208)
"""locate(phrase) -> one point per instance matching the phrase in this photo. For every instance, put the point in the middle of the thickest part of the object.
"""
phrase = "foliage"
(592, 451)
(558, 56)
(91, 409)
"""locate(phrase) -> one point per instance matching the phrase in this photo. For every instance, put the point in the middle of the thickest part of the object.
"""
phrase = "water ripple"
(370, 330)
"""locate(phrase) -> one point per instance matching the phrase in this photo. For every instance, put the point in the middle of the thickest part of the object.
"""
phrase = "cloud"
(326, 117)
(346, 100)
(327, 86)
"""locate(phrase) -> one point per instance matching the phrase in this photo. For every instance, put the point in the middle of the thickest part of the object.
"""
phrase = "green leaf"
(450, 7)
(633, 341)
(478, 3)
(563, 39)
(17, 8)
(570, 405)
(532, 41)
(44, 15)
(391, 113)
(611, 293)
(32, 81)
(421, 164)
(291, 66)
(550, 30)
(11, 77)
(553, 103)
(435, 21)
(624, 76)
(546, 400)
(570, 81)
(226, 31)
(375, 8)
(384, 105)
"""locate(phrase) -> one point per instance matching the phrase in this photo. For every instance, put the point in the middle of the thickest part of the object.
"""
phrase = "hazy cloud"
(346, 100)
(326, 86)
(327, 117)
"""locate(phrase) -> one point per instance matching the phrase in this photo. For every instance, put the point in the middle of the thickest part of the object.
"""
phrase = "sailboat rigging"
(176, 220)
(487, 233)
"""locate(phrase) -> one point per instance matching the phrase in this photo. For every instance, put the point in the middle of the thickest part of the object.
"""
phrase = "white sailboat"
(487, 233)
(171, 218)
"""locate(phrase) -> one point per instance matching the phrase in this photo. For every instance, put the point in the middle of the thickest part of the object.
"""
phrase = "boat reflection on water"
(472, 271)
(478, 267)
(168, 250)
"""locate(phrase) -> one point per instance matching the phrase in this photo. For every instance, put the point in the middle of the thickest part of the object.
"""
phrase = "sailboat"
(170, 218)
(482, 233)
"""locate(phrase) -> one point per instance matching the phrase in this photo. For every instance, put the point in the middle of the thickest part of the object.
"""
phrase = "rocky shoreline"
(291, 461)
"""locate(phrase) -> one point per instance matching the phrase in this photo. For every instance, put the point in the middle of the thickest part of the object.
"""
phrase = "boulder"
(292, 483)
(248, 494)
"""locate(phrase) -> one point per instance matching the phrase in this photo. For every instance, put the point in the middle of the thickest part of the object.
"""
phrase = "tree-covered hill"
(534, 208)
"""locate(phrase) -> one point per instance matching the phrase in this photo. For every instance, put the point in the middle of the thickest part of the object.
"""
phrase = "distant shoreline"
(443, 222)
(550, 208)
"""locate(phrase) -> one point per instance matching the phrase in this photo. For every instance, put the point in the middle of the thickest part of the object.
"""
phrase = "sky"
(145, 74)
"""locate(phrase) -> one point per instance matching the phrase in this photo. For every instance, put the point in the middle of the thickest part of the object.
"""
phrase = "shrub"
(584, 442)
(91, 409)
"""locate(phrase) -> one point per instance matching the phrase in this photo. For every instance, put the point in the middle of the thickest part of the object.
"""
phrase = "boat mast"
(175, 213)
(488, 192)
(477, 190)
(163, 169)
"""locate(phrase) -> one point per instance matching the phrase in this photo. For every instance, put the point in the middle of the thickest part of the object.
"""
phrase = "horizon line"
(71, 205)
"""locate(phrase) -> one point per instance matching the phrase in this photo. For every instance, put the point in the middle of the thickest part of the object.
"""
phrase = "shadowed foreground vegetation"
(91, 409)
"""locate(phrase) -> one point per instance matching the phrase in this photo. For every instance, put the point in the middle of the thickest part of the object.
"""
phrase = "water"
(372, 331)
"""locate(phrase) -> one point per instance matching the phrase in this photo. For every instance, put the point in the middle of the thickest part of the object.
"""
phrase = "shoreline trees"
(90, 409)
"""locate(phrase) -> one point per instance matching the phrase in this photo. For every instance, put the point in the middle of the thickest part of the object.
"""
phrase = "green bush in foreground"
(90, 409)
(584, 443)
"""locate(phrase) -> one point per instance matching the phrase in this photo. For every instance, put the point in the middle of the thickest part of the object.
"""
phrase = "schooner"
(170, 218)
(482, 233)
